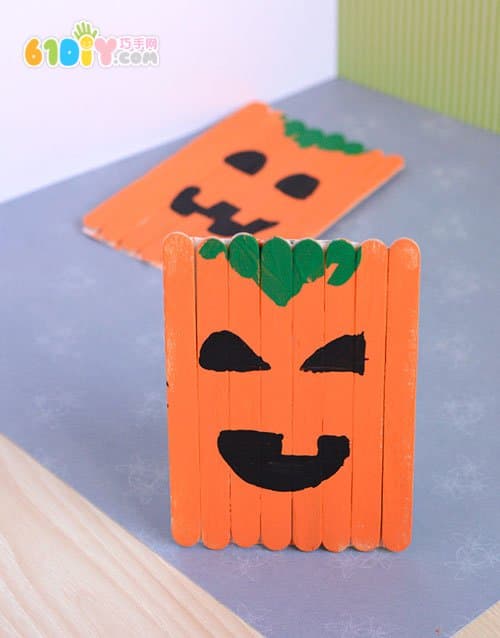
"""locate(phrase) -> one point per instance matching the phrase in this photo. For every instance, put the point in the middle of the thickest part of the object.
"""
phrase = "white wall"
(215, 55)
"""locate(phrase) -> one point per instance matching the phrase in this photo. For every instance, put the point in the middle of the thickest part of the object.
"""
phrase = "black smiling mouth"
(221, 214)
(257, 459)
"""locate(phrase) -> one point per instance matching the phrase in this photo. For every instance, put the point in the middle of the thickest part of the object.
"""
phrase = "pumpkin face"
(255, 172)
(291, 372)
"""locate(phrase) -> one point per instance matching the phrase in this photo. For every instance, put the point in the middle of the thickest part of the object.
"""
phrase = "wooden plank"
(212, 315)
(66, 569)
(487, 625)
(182, 379)
(367, 443)
(400, 388)
(338, 404)
(244, 387)
(307, 425)
(276, 388)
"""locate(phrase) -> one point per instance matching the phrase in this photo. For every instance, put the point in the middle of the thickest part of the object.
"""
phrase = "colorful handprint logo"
(86, 45)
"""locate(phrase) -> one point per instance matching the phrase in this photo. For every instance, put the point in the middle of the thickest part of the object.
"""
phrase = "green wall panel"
(442, 54)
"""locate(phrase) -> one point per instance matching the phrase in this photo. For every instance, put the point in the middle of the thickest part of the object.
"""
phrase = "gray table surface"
(82, 378)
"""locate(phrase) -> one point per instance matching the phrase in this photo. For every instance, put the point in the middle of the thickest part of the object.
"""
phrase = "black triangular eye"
(345, 354)
(299, 185)
(224, 351)
(247, 161)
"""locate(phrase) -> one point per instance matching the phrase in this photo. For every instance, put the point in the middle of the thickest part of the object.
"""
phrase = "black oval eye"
(224, 351)
(345, 354)
(299, 185)
(247, 161)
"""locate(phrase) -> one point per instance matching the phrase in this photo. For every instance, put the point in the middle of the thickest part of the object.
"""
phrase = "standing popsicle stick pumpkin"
(305, 387)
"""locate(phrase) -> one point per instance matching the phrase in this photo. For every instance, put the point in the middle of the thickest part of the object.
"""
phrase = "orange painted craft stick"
(307, 424)
(276, 388)
(182, 379)
(368, 414)
(338, 406)
(400, 388)
(244, 388)
(213, 397)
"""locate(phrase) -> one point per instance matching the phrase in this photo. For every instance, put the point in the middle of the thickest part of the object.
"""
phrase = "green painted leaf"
(347, 258)
(277, 270)
(244, 256)
(294, 127)
(306, 137)
(308, 263)
(213, 247)
(284, 269)
(334, 142)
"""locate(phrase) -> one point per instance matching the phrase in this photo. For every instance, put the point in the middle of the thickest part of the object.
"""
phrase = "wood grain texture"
(487, 625)
(66, 569)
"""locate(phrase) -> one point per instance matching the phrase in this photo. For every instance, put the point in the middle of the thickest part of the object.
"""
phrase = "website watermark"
(87, 47)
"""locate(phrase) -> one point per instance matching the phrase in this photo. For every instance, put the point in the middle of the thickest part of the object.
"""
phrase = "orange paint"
(308, 335)
(212, 310)
(137, 203)
(266, 342)
(368, 412)
(138, 217)
(276, 411)
(244, 404)
(337, 419)
(182, 377)
(400, 389)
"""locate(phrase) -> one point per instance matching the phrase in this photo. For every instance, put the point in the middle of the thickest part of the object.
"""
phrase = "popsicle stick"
(182, 379)
(338, 403)
(400, 387)
(213, 397)
(244, 387)
(307, 424)
(276, 384)
(367, 443)
(69, 570)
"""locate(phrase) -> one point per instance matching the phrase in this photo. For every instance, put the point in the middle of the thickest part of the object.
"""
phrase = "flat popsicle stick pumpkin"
(256, 172)
(303, 387)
